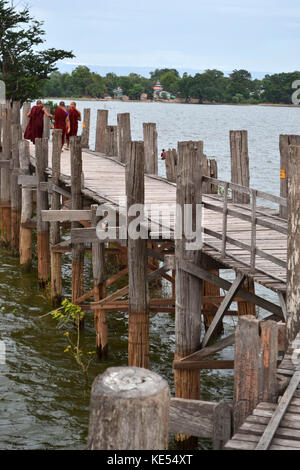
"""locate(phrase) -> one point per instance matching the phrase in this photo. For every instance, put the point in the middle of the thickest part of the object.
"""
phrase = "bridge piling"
(26, 211)
(85, 136)
(124, 135)
(5, 198)
(102, 121)
(16, 201)
(150, 143)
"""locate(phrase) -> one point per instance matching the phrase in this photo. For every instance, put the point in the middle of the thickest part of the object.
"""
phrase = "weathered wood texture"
(202, 419)
(26, 108)
(239, 164)
(138, 328)
(188, 288)
(43, 236)
(255, 367)
(150, 145)
(5, 176)
(138, 400)
(111, 141)
(293, 256)
(15, 190)
(77, 204)
(284, 142)
(47, 124)
(56, 274)
(26, 212)
(85, 136)
(124, 135)
(99, 278)
(102, 121)
(171, 165)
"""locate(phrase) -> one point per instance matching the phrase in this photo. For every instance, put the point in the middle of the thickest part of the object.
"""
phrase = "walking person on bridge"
(61, 120)
(74, 117)
(35, 126)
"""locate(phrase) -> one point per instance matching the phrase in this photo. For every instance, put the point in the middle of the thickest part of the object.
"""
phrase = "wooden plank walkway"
(104, 181)
(271, 426)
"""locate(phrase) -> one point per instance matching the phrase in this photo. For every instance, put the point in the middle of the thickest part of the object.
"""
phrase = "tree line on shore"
(209, 86)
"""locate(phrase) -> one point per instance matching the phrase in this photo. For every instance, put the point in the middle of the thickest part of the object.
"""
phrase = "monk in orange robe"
(74, 117)
(35, 127)
(61, 120)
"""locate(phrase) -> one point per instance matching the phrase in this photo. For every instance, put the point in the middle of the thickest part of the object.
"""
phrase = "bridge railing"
(256, 216)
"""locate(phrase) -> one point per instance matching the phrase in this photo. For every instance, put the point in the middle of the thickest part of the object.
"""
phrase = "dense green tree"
(239, 83)
(158, 73)
(170, 82)
(185, 86)
(24, 67)
(277, 88)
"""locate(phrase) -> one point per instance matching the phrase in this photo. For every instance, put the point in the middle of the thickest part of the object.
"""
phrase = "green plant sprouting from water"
(69, 316)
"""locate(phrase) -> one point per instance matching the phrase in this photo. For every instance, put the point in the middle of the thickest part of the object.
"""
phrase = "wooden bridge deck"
(104, 181)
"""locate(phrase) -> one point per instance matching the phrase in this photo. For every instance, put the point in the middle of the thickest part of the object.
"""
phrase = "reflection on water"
(43, 403)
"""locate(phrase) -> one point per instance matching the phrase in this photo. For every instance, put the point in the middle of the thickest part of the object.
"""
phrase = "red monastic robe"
(60, 117)
(35, 126)
(74, 116)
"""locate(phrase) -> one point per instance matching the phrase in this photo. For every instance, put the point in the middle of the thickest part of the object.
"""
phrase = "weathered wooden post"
(284, 142)
(124, 135)
(150, 145)
(42, 203)
(16, 112)
(188, 287)
(15, 189)
(239, 164)
(255, 366)
(56, 281)
(77, 204)
(46, 131)
(102, 121)
(138, 301)
(139, 402)
(171, 164)
(85, 136)
(5, 202)
(111, 141)
(293, 253)
(25, 119)
(99, 277)
(240, 174)
(26, 214)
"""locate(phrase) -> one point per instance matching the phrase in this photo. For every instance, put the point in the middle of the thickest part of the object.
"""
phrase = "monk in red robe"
(61, 120)
(35, 126)
(74, 117)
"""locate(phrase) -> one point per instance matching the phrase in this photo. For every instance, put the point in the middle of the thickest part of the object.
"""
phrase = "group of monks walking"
(66, 120)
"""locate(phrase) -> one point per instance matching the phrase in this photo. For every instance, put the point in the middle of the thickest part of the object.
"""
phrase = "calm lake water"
(43, 401)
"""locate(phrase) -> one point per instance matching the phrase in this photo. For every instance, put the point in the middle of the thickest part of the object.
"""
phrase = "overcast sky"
(259, 35)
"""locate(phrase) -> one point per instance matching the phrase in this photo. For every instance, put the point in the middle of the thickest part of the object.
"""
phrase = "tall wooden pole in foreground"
(293, 254)
(77, 204)
(188, 287)
(284, 142)
(150, 143)
(56, 281)
(42, 203)
(124, 135)
(138, 334)
(26, 214)
(139, 402)
(98, 260)
(85, 136)
(102, 121)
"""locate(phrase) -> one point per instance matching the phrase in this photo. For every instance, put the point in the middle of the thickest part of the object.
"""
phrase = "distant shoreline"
(279, 105)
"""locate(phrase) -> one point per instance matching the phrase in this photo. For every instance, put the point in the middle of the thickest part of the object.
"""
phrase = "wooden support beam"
(77, 204)
(15, 190)
(85, 136)
(293, 253)
(66, 216)
(150, 145)
(256, 350)
(6, 164)
(102, 121)
(210, 277)
(284, 142)
(43, 238)
(28, 181)
(5, 203)
(171, 165)
(111, 141)
(99, 278)
(138, 326)
(47, 124)
(223, 307)
(239, 164)
(198, 365)
(124, 135)
(56, 264)
(188, 288)
(26, 212)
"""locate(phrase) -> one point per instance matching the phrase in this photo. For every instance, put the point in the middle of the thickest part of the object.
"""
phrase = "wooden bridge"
(244, 229)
